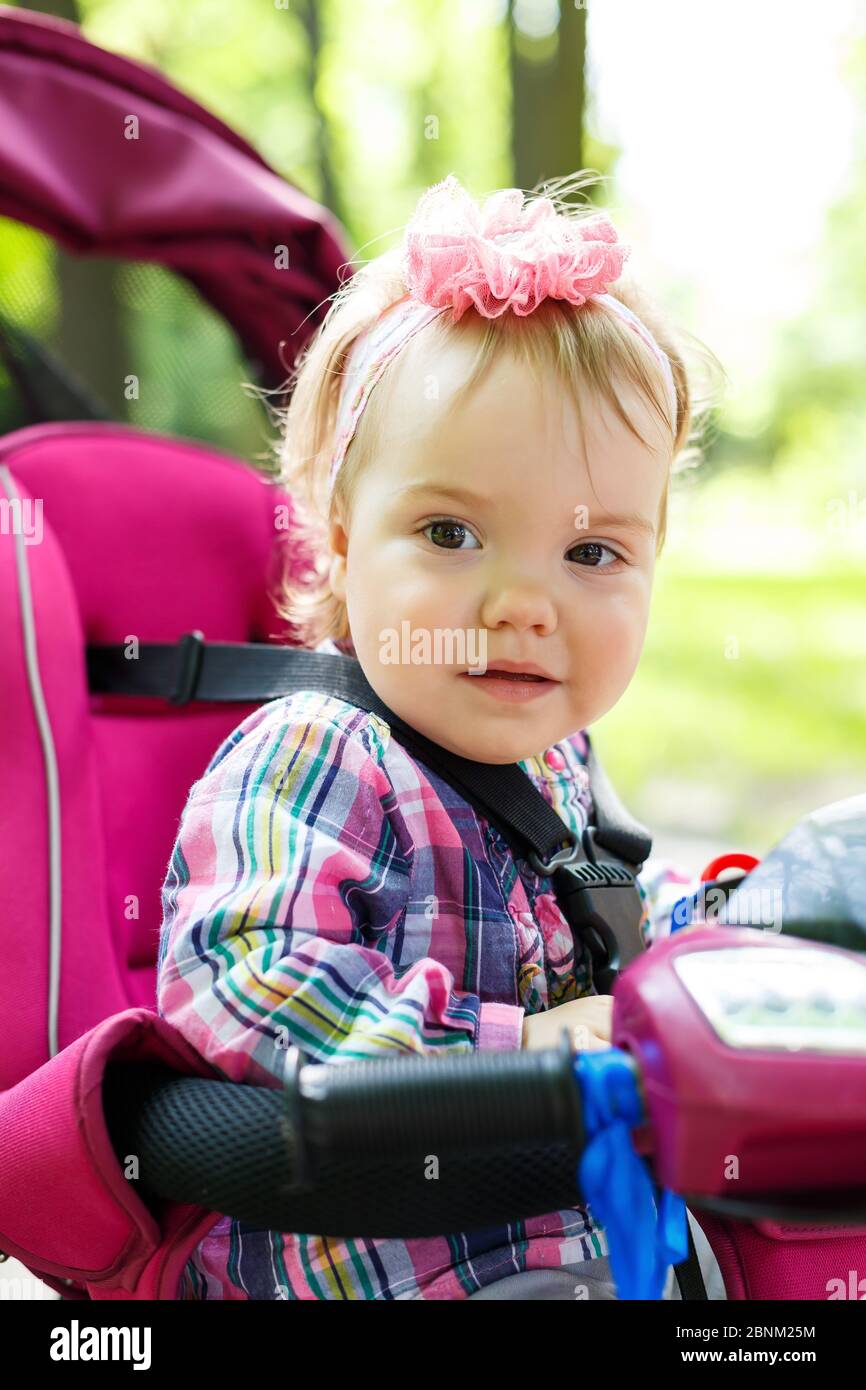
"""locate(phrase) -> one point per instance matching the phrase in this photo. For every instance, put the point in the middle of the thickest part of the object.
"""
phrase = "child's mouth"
(510, 685)
(513, 676)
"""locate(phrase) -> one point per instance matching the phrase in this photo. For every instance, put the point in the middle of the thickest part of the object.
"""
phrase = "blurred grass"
(747, 708)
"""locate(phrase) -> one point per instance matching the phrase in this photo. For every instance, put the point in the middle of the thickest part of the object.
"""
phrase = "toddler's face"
(538, 567)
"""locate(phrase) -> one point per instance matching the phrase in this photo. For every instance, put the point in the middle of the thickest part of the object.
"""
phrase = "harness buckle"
(599, 898)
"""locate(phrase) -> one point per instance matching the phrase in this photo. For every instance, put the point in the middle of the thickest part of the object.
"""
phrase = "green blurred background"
(734, 144)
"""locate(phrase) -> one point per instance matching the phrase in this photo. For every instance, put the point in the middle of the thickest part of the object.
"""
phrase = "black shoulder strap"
(193, 669)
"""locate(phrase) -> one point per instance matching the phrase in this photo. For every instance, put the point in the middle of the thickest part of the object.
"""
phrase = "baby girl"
(481, 436)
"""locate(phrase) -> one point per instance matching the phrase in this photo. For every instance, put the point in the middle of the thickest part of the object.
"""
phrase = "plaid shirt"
(327, 891)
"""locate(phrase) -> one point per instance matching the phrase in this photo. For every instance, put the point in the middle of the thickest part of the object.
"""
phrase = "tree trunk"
(547, 82)
(309, 12)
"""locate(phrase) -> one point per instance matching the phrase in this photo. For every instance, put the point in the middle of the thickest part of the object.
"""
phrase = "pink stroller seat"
(142, 539)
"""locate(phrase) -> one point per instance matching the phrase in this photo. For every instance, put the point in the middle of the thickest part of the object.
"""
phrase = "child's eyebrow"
(474, 499)
(632, 519)
(459, 494)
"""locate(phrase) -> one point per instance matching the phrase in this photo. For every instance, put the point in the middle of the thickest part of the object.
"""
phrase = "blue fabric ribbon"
(643, 1240)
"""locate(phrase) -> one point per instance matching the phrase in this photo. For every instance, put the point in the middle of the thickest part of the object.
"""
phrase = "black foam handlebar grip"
(403, 1146)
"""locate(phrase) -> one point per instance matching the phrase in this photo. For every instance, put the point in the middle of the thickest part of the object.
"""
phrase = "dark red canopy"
(188, 192)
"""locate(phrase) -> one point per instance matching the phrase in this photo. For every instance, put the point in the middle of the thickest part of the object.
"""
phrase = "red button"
(554, 759)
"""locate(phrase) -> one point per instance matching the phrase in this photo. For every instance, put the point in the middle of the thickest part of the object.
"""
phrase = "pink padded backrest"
(141, 536)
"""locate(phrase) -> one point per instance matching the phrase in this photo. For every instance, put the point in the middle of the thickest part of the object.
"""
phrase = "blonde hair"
(584, 346)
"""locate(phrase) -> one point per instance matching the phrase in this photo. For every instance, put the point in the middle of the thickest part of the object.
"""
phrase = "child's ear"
(339, 543)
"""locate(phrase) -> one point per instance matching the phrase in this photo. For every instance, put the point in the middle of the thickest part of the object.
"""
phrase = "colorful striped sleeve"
(290, 871)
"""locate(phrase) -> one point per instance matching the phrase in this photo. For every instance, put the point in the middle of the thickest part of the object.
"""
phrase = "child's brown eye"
(594, 559)
(450, 533)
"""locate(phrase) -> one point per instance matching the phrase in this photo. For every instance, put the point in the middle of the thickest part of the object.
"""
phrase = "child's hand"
(588, 1021)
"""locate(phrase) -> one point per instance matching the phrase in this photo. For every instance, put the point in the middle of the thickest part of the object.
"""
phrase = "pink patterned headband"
(502, 256)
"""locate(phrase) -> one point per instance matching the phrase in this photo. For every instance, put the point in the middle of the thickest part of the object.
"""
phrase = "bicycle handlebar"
(402, 1146)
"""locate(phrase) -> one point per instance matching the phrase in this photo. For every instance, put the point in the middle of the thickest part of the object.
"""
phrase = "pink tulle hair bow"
(505, 255)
